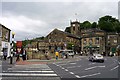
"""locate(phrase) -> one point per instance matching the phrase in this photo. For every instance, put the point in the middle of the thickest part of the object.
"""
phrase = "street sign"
(19, 44)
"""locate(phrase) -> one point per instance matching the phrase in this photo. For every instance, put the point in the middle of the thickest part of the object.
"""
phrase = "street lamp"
(12, 44)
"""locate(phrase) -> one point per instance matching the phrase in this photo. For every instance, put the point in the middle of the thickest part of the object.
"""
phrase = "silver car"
(96, 57)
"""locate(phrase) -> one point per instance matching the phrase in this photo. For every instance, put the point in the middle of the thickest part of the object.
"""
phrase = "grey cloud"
(58, 14)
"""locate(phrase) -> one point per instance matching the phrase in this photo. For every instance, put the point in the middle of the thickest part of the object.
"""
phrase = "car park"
(96, 57)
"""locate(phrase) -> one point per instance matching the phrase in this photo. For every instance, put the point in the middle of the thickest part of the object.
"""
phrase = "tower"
(75, 27)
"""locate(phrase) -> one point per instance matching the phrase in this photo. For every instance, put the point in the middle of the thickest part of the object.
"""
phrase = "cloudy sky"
(37, 18)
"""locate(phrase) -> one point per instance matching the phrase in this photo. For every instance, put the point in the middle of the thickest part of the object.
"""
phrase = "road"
(83, 68)
(71, 69)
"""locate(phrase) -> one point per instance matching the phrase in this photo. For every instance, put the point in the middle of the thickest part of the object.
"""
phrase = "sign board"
(19, 44)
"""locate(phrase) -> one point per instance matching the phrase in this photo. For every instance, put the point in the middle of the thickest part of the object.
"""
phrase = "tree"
(69, 45)
(85, 25)
(68, 30)
(108, 23)
(94, 25)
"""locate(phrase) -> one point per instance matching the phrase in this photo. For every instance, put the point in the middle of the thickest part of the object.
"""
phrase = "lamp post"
(12, 44)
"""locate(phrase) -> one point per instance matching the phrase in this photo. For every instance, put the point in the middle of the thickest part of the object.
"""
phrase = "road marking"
(57, 65)
(77, 76)
(71, 73)
(73, 66)
(114, 68)
(62, 64)
(91, 63)
(93, 67)
(72, 63)
(31, 71)
(15, 74)
(66, 70)
(46, 69)
(63, 68)
(90, 75)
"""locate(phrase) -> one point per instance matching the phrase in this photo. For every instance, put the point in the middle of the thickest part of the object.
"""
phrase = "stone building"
(75, 28)
(57, 40)
(112, 41)
(4, 40)
(93, 40)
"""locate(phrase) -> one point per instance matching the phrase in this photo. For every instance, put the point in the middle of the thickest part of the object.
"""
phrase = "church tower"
(75, 27)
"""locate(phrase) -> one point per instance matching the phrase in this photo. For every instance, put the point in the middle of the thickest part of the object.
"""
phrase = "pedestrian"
(46, 55)
(5, 54)
(24, 54)
(56, 55)
(66, 56)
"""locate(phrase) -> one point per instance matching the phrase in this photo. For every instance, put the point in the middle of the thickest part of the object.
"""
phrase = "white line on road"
(71, 73)
(30, 71)
(77, 76)
(74, 66)
(63, 68)
(66, 70)
(62, 64)
(72, 63)
(93, 67)
(114, 68)
(90, 75)
(15, 74)
(91, 63)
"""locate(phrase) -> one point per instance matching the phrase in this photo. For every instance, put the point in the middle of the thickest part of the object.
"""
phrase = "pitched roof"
(62, 32)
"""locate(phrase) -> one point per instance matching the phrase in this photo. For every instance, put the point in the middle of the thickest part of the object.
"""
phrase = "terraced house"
(4, 40)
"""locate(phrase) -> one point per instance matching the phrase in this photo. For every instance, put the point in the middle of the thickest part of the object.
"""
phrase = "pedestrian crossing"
(32, 71)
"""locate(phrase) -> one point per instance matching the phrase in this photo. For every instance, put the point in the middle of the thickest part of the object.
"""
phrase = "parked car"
(96, 57)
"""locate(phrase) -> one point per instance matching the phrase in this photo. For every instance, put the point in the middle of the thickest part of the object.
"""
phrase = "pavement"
(37, 61)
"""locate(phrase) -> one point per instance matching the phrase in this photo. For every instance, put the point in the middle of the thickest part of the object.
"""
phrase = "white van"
(69, 52)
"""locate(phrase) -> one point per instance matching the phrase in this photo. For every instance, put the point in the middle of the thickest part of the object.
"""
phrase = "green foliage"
(25, 42)
(94, 25)
(68, 30)
(69, 45)
(109, 24)
(85, 25)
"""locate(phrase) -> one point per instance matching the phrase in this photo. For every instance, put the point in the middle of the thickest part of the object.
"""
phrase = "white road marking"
(57, 65)
(15, 74)
(31, 71)
(71, 73)
(72, 63)
(93, 67)
(90, 75)
(73, 66)
(91, 63)
(46, 69)
(114, 68)
(66, 70)
(63, 68)
(62, 64)
(77, 76)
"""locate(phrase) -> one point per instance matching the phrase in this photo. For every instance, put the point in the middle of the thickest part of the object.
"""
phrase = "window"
(73, 25)
(74, 28)
(97, 40)
(90, 41)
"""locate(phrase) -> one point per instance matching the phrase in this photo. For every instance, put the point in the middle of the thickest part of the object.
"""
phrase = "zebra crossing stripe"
(31, 71)
(30, 74)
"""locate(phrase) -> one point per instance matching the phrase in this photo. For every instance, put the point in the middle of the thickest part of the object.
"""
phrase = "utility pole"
(12, 44)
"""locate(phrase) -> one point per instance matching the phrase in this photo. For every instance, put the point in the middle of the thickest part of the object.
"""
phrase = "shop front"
(6, 48)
